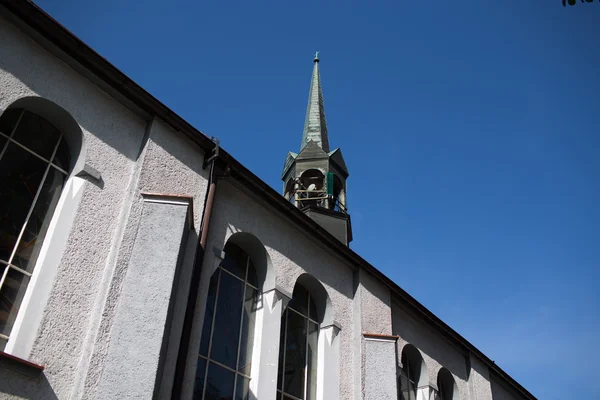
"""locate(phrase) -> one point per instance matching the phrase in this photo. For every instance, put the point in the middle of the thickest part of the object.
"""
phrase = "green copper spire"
(315, 126)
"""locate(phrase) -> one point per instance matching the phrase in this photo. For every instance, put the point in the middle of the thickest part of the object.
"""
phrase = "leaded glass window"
(298, 348)
(34, 164)
(407, 382)
(225, 359)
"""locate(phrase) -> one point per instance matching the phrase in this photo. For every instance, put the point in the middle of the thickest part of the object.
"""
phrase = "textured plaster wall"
(380, 374)
(14, 385)
(142, 322)
(374, 313)
(291, 254)
(173, 165)
(479, 380)
(132, 156)
(436, 351)
(501, 392)
(112, 136)
(375, 303)
(168, 164)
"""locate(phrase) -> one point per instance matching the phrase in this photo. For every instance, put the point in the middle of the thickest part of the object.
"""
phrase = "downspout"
(208, 206)
(190, 310)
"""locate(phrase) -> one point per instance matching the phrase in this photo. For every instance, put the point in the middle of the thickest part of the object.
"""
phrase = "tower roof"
(315, 126)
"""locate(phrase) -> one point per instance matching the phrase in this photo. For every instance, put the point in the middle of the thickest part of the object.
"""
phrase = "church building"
(140, 260)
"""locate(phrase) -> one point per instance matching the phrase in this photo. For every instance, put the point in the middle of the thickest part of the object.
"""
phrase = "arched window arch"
(412, 374)
(312, 179)
(297, 375)
(447, 389)
(224, 362)
(338, 200)
(34, 165)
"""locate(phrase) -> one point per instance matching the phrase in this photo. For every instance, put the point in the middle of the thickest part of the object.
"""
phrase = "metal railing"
(319, 197)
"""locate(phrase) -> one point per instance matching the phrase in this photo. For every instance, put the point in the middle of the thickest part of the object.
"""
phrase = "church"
(140, 260)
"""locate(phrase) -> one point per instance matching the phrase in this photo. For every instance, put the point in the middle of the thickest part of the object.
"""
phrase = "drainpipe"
(208, 206)
(190, 310)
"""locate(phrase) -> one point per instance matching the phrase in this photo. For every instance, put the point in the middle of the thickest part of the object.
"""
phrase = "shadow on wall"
(15, 384)
(300, 250)
(89, 106)
(94, 110)
(413, 331)
(178, 146)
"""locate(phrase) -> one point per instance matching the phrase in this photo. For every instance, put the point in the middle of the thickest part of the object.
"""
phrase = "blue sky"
(471, 130)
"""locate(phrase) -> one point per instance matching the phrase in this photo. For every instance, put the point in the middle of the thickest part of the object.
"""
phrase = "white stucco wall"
(375, 375)
(71, 332)
(291, 254)
(132, 155)
(168, 164)
(502, 391)
(375, 301)
(112, 137)
(436, 350)
(479, 380)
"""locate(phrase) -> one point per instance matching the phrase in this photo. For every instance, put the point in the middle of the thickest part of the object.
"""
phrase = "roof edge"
(254, 183)
(50, 29)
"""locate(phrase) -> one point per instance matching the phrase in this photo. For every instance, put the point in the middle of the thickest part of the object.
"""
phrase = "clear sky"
(471, 130)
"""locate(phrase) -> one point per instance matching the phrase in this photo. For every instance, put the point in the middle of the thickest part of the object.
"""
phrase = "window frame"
(281, 394)
(405, 372)
(49, 164)
(208, 360)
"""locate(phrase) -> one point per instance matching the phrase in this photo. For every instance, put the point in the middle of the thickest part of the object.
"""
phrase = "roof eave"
(51, 30)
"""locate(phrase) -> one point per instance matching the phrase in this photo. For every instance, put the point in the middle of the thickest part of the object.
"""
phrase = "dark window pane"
(295, 355)
(252, 278)
(313, 344)
(20, 176)
(219, 383)
(227, 321)
(247, 341)
(313, 310)
(235, 260)
(31, 242)
(413, 391)
(8, 120)
(242, 388)
(199, 385)
(11, 294)
(3, 141)
(209, 312)
(37, 134)
(62, 158)
(299, 301)
(2, 343)
(281, 350)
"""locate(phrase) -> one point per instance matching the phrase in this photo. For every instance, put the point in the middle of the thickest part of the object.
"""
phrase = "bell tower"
(314, 180)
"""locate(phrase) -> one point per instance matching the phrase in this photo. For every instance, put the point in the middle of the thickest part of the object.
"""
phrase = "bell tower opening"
(315, 179)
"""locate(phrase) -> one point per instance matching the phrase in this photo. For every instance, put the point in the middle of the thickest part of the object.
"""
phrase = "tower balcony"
(318, 198)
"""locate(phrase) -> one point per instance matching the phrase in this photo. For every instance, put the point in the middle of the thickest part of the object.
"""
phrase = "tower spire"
(314, 180)
(315, 126)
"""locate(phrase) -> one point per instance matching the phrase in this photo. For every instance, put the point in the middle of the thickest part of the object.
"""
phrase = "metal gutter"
(48, 28)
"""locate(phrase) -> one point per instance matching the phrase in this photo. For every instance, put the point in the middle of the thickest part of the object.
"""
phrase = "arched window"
(446, 385)
(224, 362)
(298, 348)
(413, 373)
(407, 381)
(34, 165)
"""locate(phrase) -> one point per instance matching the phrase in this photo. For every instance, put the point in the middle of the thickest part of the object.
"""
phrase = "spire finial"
(316, 59)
